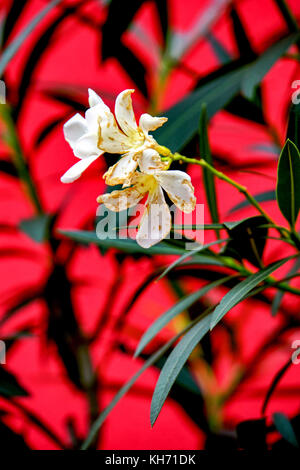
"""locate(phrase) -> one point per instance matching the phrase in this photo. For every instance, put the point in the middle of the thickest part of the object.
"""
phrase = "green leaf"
(241, 38)
(241, 290)
(274, 383)
(221, 53)
(149, 362)
(189, 254)
(130, 246)
(217, 93)
(184, 116)
(174, 364)
(14, 46)
(178, 308)
(293, 131)
(265, 196)
(247, 240)
(9, 386)
(208, 177)
(288, 188)
(279, 295)
(37, 227)
(256, 72)
(284, 427)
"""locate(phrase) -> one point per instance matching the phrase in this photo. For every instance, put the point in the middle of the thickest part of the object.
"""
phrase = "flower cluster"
(140, 170)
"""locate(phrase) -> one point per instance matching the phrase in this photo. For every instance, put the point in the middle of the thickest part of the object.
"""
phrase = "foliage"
(232, 264)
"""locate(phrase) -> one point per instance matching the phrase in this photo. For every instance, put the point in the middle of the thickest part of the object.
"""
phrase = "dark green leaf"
(184, 116)
(8, 168)
(189, 254)
(284, 427)
(163, 14)
(217, 93)
(293, 131)
(174, 364)
(152, 360)
(37, 227)
(247, 240)
(288, 188)
(178, 308)
(130, 246)
(14, 46)
(120, 15)
(221, 53)
(279, 294)
(274, 383)
(241, 290)
(256, 72)
(11, 19)
(9, 386)
(37, 49)
(241, 37)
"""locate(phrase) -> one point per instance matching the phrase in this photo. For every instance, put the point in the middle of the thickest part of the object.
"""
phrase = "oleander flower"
(100, 132)
(152, 179)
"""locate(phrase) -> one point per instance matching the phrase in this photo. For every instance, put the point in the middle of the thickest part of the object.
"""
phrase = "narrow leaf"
(279, 295)
(288, 188)
(36, 227)
(14, 46)
(182, 305)
(284, 427)
(174, 364)
(9, 386)
(241, 290)
(152, 360)
(263, 64)
(189, 254)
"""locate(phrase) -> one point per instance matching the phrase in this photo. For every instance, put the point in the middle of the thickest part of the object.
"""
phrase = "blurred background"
(71, 315)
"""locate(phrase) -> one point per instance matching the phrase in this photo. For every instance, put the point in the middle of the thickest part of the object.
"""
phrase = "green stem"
(242, 189)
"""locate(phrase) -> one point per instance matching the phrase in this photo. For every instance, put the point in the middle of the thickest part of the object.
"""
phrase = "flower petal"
(150, 123)
(122, 170)
(86, 146)
(75, 128)
(125, 114)
(76, 170)
(120, 200)
(179, 188)
(150, 162)
(155, 224)
(95, 99)
(111, 139)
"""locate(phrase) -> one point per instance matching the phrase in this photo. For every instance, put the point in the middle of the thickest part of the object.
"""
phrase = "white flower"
(99, 132)
(155, 224)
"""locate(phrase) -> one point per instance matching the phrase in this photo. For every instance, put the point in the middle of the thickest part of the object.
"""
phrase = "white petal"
(149, 123)
(75, 128)
(124, 112)
(122, 170)
(120, 200)
(76, 170)
(111, 139)
(150, 161)
(155, 224)
(86, 146)
(179, 188)
(95, 99)
(93, 117)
